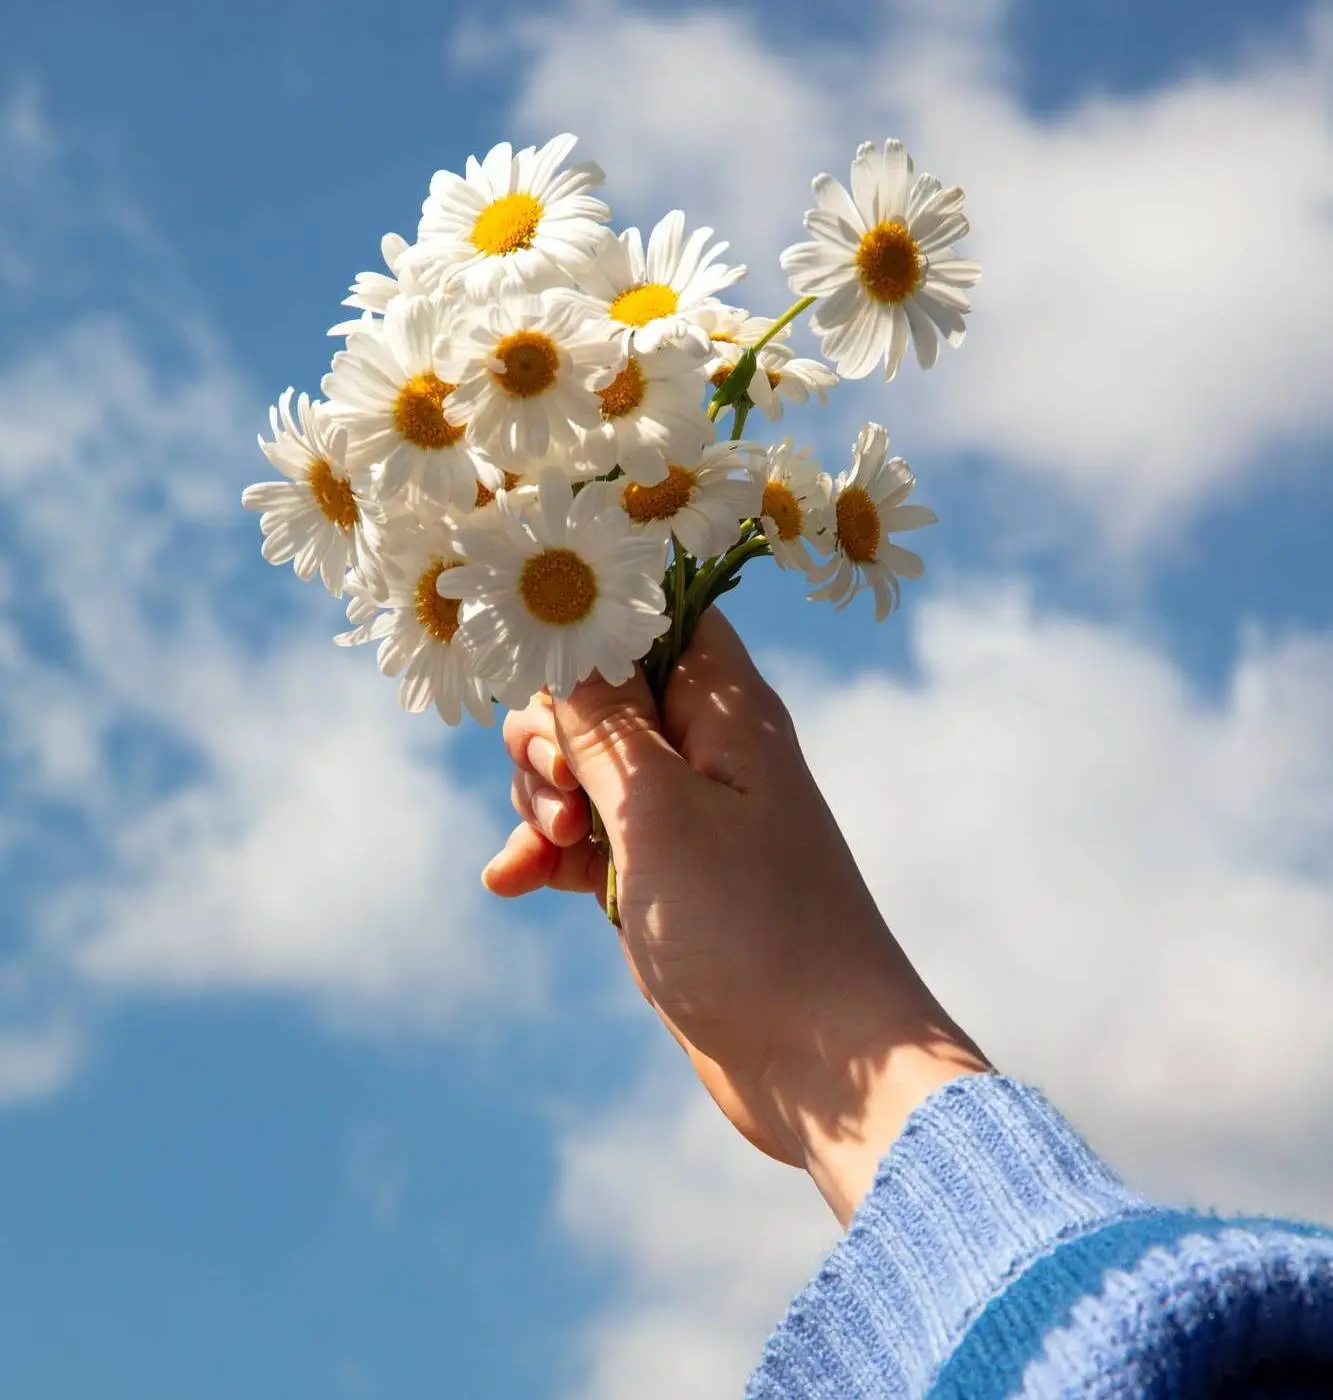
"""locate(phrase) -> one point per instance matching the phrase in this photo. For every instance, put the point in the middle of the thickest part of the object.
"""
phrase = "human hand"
(744, 919)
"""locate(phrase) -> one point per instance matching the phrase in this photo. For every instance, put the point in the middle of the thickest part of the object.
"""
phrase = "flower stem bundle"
(530, 460)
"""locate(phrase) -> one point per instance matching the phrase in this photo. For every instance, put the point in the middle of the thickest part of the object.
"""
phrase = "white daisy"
(658, 294)
(552, 596)
(371, 292)
(882, 264)
(364, 604)
(651, 413)
(732, 326)
(779, 375)
(794, 511)
(512, 219)
(528, 370)
(386, 389)
(867, 507)
(324, 517)
(419, 630)
(702, 504)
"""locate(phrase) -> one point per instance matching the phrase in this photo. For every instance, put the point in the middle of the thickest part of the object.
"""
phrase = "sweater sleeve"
(997, 1256)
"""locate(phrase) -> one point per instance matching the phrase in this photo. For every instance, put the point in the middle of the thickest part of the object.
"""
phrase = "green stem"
(787, 317)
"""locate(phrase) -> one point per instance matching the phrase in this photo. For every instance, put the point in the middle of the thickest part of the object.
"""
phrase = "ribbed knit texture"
(997, 1256)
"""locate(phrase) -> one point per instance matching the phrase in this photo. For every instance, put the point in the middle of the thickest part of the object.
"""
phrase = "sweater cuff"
(985, 1178)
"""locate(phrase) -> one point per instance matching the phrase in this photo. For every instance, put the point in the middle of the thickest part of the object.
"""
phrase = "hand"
(745, 921)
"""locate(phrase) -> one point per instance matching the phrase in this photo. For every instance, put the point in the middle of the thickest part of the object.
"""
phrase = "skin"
(745, 921)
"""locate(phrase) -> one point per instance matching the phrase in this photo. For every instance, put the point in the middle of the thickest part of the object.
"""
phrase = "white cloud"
(35, 1063)
(239, 806)
(712, 1238)
(1151, 325)
(1123, 888)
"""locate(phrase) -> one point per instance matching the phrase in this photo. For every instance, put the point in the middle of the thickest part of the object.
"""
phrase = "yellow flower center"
(485, 495)
(858, 525)
(439, 616)
(889, 262)
(782, 507)
(507, 224)
(625, 392)
(720, 376)
(333, 495)
(558, 588)
(660, 502)
(644, 303)
(530, 361)
(418, 414)
(774, 378)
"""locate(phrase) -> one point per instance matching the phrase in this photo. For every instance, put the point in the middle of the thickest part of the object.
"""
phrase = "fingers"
(530, 740)
(562, 817)
(529, 862)
(611, 738)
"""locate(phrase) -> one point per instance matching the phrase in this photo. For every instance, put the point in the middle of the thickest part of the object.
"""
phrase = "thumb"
(613, 740)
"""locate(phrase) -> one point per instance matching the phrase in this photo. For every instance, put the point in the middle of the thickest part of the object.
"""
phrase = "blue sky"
(286, 1104)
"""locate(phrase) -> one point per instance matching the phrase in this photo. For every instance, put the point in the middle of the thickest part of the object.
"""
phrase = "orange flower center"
(782, 507)
(558, 587)
(858, 525)
(485, 495)
(531, 361)
(418, 414)
(625, 392)
(439, 616)
(660, 502)
(889, 262)
(333, 495)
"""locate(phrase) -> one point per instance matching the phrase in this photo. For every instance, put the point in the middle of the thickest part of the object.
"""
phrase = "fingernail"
(549, 763)
(546, 808)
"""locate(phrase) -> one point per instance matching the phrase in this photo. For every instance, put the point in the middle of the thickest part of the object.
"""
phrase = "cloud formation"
(1149, 330)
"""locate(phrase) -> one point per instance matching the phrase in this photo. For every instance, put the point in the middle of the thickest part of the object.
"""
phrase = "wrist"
(865, 1061)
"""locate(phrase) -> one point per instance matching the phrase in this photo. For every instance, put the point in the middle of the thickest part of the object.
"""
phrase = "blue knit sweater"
(997, 1257)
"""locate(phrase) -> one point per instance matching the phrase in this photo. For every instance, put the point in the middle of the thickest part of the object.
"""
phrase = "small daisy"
(324, 517)
(651, 413)
(512, 219)
(558, 593)
(731, 326)
(702, 505)
(528, 369)
(386, 389)
(521, 487)
(373, 291)
(882, 262)
(648, 297)
(779, 375)
(794, 511)
(419, 630)
(867, 507)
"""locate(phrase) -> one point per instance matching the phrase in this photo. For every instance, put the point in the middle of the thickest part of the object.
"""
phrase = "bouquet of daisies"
(516, 475)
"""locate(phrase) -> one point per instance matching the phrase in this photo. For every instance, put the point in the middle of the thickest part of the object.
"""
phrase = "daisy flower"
(882, 264)
(648, 296)
(511, 219)
(528, 369)
(867, 507)
(702, 505)
(324, 517)
(371, 292)
(651, 413)
(779, 375)
(794, 510)
(420, 632)
(386, 390)
(557, 593)
(732, 326)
